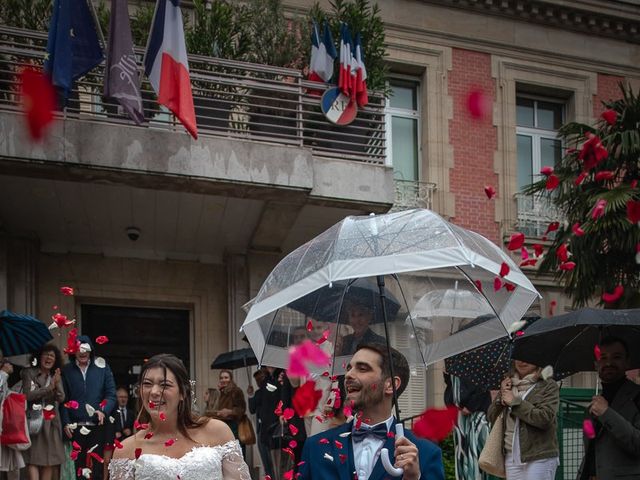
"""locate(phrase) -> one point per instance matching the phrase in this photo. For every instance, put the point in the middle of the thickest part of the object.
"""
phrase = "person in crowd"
(263, 403)
(293, 429)
(92, 385)
(176, 444)
(368, 386)
(472, 428)
(530, 405)
(11, 460)
(614, 453)
(123, 415)
(211, 396)
(359, 318)
(231, 406)
(42, 385)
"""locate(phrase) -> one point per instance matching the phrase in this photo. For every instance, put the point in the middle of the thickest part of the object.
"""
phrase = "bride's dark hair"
(186, 418)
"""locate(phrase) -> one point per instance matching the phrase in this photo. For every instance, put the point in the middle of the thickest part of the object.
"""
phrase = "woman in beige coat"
(43, 386)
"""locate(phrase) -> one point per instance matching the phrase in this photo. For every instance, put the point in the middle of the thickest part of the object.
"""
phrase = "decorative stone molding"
(607, 18)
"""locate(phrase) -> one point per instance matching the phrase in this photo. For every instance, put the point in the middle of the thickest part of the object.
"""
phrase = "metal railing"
(231, 98)
(412, 194)
(534, 214)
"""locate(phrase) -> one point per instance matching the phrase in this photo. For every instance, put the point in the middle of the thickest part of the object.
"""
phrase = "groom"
(350, 453)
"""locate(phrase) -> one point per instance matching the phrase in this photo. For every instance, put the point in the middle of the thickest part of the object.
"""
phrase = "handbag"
(246, 434)
(35, 420)
(492, 456)
(14, 429)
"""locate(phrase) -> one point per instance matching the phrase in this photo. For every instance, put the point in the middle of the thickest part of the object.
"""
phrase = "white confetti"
(84, 430)
(34, 362)
(271, 388)
(328, 457)
(100, 362)
(37, 407)
(48, 408)
(86, 472)
(345, 434)
(547, 372)
(92, 448)
(90, 410)
(72, 426)
(111, 419)
(85, 347)
(515, 326)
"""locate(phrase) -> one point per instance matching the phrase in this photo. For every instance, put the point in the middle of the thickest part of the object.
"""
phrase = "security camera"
(133, 233)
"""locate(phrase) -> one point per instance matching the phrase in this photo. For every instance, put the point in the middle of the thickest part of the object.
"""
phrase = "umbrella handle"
(384, 455)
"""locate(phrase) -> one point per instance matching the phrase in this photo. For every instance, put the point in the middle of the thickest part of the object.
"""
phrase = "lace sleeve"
(121, 469)
(233, 465)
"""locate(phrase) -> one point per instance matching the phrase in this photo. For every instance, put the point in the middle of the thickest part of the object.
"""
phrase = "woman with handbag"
(43, 386)
(525, 411)
(231, 407)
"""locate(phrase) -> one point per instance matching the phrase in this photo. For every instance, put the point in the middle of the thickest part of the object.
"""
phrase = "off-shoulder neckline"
(193, 449)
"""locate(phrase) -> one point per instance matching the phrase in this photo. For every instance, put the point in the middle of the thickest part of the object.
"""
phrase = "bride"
(171, 442)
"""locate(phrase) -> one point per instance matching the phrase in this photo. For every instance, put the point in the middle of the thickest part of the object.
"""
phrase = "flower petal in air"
(552, 227)
(73, 404)
(170, 442)
(90, 410)
(84, 430)
(552, 182)
(504, 269)
(613, 296)
(100, 362)
(102, 339)
(597, 354)
(497, 284)
(567, 266)
(478, 284)
(546, 171)
(562, 253)
(288, 413)
(67, 291)
(603, 175)
(435, 424)
(610, 116)
(516, 241)
(293, 429)
(577, 230)
(271, 388)
(137, 453)
(489, 191)
(538, 249)
(580, 178)
(306, 398)
(524, 253)
(477, 104)
(598, 209)
(588, 429)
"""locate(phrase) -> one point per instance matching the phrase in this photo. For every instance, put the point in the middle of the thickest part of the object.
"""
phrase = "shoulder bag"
(492, 456)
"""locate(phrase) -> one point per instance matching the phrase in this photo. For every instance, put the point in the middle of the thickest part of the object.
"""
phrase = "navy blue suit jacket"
(317, 467)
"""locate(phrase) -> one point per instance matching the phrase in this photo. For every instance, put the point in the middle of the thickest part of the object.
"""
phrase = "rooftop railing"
(232, 99)
(535, 213)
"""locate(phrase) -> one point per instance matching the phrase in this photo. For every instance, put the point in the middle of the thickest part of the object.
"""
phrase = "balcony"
(534, 215)
(235, 100)
(412, 194)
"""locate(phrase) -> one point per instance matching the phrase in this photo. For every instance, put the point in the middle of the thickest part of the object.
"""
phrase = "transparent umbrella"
(405, 255)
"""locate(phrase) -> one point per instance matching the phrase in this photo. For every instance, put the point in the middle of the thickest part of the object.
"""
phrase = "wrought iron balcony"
(232, 99)
(534, 214)
(412, 194)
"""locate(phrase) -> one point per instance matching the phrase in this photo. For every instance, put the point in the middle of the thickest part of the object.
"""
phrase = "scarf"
(520, 385)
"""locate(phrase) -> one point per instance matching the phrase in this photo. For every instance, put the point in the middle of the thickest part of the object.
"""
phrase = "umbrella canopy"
(567, 341)
(452, 302)
(20, 334)
(234, 359)
(414, 252)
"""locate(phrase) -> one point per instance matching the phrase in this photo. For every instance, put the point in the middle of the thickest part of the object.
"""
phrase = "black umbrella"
(567, 342)
(235, 359)
(20, 334)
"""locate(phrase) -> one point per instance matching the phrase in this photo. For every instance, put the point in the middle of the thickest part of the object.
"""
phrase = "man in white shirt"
(352, 451)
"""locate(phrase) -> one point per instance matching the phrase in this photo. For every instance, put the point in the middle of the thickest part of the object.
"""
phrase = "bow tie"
(379, 432)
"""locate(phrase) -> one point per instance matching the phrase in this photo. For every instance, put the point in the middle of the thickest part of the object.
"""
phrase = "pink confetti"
(102, 339)
(169, 442)
(596, 352)
(588, 428)
(477, 104)
(497, 284)
(306, 353)
(67, 291)
(489, 191)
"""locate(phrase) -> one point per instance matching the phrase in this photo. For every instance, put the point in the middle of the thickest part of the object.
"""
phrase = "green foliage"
(30, 14)
(363, 18)
(448, 457)
(605, 255)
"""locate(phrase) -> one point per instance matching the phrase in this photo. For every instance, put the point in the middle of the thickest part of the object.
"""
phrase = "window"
(537, 123)
(403, 129)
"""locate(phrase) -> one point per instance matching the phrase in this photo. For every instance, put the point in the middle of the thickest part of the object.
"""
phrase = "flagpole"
(97, 23)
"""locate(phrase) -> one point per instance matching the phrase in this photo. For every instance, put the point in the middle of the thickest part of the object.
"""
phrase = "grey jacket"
(538, 421)
(617, 444)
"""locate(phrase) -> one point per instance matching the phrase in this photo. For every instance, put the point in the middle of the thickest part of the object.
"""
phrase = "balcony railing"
(232, 99)
(411, 194)
(534, 214)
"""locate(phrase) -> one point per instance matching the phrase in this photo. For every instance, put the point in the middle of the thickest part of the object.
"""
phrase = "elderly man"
(614, 453)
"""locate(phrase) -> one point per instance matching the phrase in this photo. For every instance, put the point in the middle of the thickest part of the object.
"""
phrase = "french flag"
(323, 54)
(362, 96)
(346, 76)
(166, 63)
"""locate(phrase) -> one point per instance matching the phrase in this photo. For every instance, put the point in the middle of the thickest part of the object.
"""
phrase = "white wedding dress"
(200, 463)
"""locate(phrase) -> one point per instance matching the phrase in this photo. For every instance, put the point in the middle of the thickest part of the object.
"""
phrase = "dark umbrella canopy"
(235, 359)
(567, 341)
(20, 334)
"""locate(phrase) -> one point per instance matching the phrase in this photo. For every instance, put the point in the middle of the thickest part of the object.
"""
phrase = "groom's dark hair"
(400, 364)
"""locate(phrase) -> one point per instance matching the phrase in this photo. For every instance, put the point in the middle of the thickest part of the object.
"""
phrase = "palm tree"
(596, 250)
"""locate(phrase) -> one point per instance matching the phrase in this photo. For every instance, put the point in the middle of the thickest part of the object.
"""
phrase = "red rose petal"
(489, 191)
(552, 182)
(596, 352)
(169, 442)
(538, 249)
(477, 104)
(343, 457)
(562, 253)
(138, 452)
(497, 284)
(546, 171)
(567, 266)
(117, 443)
(610, 116)
(509, 286)
(323, 441)
(588, 428)
(504, 269)
(288, 413)
(309, 326)
(293, 429)
(604, 175)
(552, 307)
(102, 339)
(306, 398)
(614, 296)
(478, 285)
(580, 178)
(516, 241)
(436, 424)
(599, 209)
(67, 291)
(577, 230)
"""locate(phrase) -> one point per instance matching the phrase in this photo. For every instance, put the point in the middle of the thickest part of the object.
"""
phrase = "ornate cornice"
(607, 18)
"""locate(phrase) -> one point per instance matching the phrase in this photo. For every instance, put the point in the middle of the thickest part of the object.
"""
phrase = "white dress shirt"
(367, 452)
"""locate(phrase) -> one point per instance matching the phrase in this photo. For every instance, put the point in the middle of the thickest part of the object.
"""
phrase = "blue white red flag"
(167, 66)
(362, 96)
(346, 76)
(323, 54)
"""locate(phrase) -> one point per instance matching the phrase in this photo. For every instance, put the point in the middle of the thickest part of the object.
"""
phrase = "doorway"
(136, 334)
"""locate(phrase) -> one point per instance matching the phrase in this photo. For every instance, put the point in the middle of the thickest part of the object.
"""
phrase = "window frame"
(416, 114)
